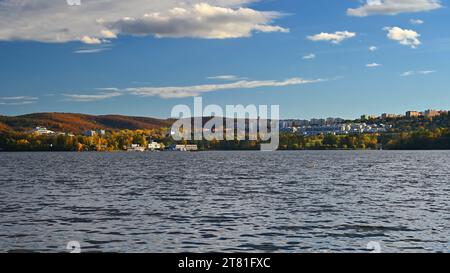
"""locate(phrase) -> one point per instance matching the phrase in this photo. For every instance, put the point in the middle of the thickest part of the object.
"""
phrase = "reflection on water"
(226, 201)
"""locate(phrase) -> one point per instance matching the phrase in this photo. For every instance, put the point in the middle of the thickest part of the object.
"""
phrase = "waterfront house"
(136, 148)
(191, 148)
(154, 146)
(183, 148)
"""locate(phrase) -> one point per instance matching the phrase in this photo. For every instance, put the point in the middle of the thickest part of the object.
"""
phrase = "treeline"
(120, 140)
(328, 142)
(111, 141)
(423, 139)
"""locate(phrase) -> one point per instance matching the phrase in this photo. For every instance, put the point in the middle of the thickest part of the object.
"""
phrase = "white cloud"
(200, 21)
(268, 28)
(90, 50)
(90, 41)
(93, 49)
(91, 97)
(191, 91)
(182, 91)
(16, 103)
(416, 21)
(373, 48)
(108, 34)
(373, 65)
(96, 21)
(393, 7)
(335, 38)
(406, 37)
(420, 72)
(18, 100)
(309, 56)
(225, 78)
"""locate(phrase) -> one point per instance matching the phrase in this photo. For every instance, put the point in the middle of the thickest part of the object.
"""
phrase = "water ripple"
(312, 201)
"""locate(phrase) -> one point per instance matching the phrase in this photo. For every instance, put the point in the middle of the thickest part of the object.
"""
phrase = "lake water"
(306, 201)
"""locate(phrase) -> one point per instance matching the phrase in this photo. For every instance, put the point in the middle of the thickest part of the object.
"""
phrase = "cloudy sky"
(314, 58)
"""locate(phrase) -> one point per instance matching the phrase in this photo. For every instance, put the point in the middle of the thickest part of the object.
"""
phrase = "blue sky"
(310, 57)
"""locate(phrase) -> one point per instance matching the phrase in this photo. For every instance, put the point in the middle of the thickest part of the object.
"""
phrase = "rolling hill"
(4, 127)
(78, 123)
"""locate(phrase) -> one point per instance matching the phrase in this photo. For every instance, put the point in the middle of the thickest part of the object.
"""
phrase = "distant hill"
(3, 127)
(78, 123)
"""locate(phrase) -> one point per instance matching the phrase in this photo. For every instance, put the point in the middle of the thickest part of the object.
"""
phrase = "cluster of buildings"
(42, 131)
(409, 114)
(155, 146)
(339, 126)
(295, 123)
(426, 113)
(151, 146)
(337, 129)
(92, 133)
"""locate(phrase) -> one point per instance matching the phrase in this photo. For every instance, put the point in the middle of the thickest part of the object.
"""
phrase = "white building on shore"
(154, 146)
(136, 148)
(184, 148)
(42, 131)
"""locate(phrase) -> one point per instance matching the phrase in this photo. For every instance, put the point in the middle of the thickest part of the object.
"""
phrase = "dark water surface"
(336, 201)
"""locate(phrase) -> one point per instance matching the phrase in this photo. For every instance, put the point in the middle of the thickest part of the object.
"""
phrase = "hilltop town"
(366, 124)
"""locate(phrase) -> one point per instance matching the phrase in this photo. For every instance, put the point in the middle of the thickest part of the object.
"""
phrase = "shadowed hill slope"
(78, 123)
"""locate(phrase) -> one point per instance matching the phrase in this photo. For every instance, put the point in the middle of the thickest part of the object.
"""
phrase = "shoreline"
(203, 151)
